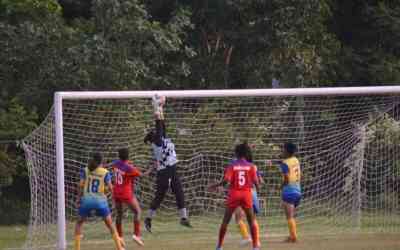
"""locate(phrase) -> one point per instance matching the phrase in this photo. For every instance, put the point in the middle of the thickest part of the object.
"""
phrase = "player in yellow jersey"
(94, 179)
(291, 189)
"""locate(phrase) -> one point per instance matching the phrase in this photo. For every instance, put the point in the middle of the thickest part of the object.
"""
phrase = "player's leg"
(224, 226)
(162, 184)
(239, 218)
(177, 189)
(114, 234)
(289, 211)
(78, 232)
(290, 202)
(247, 205)
(83, 212)
(102, 210)
(135, 207)
(118, 219)
(254, 229)
(256, 207)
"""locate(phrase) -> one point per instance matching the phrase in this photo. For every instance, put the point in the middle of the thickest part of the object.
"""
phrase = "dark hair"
(96, 160)
(244, 151)
(290, 148)
(149, 137)
(123, 154)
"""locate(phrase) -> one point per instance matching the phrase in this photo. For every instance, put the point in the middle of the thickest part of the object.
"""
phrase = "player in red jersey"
(125, 173)
(241, 176)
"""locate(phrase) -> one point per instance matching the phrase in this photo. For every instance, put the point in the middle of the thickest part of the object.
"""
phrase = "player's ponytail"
(96, 161)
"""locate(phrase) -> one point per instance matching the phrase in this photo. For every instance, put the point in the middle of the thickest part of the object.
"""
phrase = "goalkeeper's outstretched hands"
(158, 104)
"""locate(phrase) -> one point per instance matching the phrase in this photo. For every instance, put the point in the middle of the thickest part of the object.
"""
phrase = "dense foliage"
(49, 45)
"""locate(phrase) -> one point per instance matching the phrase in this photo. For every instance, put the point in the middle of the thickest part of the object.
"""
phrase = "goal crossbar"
(378, 90)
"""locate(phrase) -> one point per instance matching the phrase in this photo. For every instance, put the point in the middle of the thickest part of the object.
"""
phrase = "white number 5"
(242, 178)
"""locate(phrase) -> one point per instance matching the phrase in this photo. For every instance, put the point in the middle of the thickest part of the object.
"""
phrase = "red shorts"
(239, 198)
(126, 200)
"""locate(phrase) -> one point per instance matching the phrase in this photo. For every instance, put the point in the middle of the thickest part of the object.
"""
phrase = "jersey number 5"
(242, 178)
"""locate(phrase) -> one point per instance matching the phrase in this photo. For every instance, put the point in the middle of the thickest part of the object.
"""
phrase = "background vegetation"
(49, 45)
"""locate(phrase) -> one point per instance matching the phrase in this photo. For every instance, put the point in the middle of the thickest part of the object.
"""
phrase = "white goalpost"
(348, 138)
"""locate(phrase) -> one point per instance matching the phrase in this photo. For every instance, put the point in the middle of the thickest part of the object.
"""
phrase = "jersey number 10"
(119, 179)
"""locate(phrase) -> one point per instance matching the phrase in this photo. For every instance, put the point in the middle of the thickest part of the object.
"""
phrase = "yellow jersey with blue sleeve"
(94, 199)
(291, 192)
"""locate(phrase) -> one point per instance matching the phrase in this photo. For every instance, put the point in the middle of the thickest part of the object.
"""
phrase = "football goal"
(348, 140)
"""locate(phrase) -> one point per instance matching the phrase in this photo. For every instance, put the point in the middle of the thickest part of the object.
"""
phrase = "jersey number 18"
(93, 185)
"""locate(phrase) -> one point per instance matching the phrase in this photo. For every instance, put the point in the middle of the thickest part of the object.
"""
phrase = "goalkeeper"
(165, 161)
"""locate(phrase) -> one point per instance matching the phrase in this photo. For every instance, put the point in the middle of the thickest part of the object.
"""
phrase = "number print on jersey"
(242, 178)
(93, 185)
(119, 178)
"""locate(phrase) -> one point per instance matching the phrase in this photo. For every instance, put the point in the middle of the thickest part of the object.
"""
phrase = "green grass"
(169, 235)
(12, 236)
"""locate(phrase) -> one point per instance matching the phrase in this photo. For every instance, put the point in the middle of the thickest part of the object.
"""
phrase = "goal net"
(348, 144)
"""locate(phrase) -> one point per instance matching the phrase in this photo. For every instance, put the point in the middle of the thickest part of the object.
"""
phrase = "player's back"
(241, 175)
(95, 181)
(293, 171)
(124, 172)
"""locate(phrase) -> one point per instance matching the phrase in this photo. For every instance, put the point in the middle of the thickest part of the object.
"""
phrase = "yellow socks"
(77, 242)
(292, 229)
(243, 229)
(117, 241)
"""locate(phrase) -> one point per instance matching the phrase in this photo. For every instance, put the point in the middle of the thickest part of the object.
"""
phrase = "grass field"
(171, 236)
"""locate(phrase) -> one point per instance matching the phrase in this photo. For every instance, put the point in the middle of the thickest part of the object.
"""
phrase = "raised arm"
(160, 132)
(158, 105)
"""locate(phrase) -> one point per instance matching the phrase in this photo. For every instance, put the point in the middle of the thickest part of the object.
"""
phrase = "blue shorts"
(89, 204)
(256, 203)
(293, 198)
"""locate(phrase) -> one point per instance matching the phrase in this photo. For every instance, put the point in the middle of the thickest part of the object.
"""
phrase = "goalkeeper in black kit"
(165, 162)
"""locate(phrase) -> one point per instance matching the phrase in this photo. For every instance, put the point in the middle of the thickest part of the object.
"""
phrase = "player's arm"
(158, 103)
(271, 163)
(108, 182)
(255, 177)
(81, 186)
(214, 186)
(134, 172)
(159, 132)
(225, 180)
(152, 167)
(285, 173)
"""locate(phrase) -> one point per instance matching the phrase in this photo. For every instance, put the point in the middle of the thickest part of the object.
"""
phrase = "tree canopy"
(50, 45)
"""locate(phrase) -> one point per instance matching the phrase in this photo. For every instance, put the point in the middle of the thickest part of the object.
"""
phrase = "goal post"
(255, 115)
(61, 224)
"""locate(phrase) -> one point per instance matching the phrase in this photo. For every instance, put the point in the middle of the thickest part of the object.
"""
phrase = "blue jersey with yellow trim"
(94, 182)
(291, 167)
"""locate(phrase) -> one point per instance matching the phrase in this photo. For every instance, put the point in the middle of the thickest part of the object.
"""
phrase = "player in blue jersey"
(94, 179)
(291, 189)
